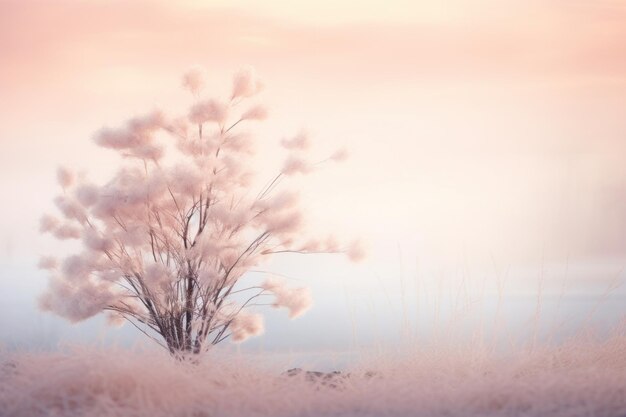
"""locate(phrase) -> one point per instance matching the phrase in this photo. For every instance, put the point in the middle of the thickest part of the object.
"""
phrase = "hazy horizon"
(484, 137)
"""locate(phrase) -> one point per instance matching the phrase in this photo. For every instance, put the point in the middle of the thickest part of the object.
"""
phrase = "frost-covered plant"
(168, 238)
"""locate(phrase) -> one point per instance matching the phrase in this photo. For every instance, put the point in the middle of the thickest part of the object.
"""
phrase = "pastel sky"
(487, 130)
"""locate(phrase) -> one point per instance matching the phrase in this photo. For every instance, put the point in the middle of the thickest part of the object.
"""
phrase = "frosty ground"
(585, 376)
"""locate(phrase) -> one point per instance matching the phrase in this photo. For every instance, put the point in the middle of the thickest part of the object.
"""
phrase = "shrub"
(168, 237)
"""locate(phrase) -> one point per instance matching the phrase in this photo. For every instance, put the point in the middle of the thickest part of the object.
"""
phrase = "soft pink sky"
(489, 129)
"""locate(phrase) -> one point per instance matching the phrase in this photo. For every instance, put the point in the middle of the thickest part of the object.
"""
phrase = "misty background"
(488, 152)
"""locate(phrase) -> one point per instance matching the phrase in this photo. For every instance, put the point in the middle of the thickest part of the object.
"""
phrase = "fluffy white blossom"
(246, 83)
(356, 252)
(77, 268)
(65, 177)
(296, 165)
(299, 142)
(257, 112)
(87, 194)
(138, 132)
(76, 302)
(94, 240)
(209, 111)
(67, 231)
(48, 223)
(193, 80)
(70, 208)
(296, 300)
(340, 155)
(157, 273)
(246, 325)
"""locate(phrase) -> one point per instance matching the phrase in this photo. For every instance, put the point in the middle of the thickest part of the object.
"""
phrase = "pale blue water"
(334, 331)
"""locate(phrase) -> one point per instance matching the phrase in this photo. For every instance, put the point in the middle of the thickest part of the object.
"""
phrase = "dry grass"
(582, 377)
